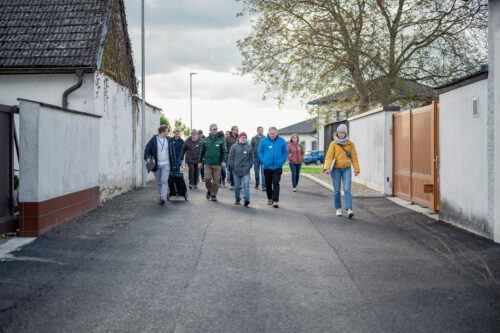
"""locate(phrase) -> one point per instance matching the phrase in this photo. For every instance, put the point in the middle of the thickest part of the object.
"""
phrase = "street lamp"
(191, 97)
(143, 79)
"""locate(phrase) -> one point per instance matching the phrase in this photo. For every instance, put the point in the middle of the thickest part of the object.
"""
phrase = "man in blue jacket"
(273, 153)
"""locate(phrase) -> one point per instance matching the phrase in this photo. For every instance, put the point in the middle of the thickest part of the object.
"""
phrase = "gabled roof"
(405, 89)
(304, 127)
(58, 34)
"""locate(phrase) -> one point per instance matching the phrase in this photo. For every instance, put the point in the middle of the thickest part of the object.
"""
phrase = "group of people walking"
(210, 157)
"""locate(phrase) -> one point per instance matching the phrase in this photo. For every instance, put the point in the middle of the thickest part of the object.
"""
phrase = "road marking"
(14, 244)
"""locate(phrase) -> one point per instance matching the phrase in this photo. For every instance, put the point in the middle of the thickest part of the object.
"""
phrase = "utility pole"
(143, 99)
(191, 97)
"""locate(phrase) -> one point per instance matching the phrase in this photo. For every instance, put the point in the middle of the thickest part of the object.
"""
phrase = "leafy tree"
(164, 121)
(185, 130)
(310, 48)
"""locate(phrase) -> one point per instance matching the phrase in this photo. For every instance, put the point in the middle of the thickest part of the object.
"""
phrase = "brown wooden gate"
(416, 155)
(8, 222)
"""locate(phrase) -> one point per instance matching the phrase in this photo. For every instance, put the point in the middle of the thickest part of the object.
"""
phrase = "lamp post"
(191, 97)
(143, 99)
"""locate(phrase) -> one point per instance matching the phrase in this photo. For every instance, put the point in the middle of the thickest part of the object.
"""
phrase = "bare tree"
(305, 48)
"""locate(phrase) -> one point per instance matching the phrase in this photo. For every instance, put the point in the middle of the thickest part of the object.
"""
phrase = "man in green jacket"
(214, 152)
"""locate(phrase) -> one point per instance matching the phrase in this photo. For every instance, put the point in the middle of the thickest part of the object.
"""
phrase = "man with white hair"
(273, 153)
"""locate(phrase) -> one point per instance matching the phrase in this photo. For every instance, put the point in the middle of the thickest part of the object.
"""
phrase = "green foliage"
(165, 122)
(178, 125)
(314, 48)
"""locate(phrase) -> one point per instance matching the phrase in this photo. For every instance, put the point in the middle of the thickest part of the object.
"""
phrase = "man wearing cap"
(241, 161)
(202, 169)
(191, 150)
(214, 152)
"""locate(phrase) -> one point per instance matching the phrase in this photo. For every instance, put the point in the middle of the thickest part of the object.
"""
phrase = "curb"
(330, 187)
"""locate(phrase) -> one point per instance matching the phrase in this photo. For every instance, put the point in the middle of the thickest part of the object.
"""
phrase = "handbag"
(150, 166)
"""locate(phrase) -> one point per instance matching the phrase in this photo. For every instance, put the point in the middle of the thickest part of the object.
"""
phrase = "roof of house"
(57, 34)
(304, 127)
(479, 75)
(406, 89)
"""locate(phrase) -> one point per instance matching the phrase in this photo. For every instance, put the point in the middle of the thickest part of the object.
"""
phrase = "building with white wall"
(79, 66)
(307, 132)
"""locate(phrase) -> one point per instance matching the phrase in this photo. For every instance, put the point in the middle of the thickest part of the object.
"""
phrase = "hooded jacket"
(213, 150)
(255, 145)
(241, 159)
(295, 153)
(191, 150)
(273, 154)
(336, 152)
(151, 151)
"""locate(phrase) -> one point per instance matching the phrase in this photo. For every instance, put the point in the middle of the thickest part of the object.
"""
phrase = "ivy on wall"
(117, 60)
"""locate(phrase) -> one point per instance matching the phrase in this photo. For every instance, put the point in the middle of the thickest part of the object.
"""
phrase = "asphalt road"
(200, 266)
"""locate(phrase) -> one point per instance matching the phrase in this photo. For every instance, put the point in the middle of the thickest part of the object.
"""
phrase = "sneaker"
(350, 213)
(196, 187)
(339, 212)
(241, 187)
(237, 202)
(213, 198)
(294, 189)
(231, 188)
(203, 180)
(191, 187)
(162, 202)
(275, 204)
(208, 196)
(263, 188)
(224, 182)
(257, 186)
(269, 202)
(247, 202)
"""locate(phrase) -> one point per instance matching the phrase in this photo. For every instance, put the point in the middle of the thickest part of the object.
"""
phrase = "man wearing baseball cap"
(214, 153)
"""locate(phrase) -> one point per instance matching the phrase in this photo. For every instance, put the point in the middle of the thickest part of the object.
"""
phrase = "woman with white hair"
(340, 159)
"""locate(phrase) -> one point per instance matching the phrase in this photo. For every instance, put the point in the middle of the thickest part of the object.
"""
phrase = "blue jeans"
(222, 175)
(246, 186)
(295, 168)
(345, 176)
(230, 175)
(258, 168)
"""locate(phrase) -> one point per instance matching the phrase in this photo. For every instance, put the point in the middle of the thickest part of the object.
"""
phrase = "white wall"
(463, 159)
(59, 152)
(371, 133)
(307, 138)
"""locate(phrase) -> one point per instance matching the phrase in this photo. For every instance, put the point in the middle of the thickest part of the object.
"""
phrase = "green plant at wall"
(16, 182)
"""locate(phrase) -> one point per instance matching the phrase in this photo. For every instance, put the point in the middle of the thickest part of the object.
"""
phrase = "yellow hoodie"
(336, 152)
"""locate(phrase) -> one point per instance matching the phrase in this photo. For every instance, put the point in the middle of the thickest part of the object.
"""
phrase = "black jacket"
(151, 151)
(191, 150)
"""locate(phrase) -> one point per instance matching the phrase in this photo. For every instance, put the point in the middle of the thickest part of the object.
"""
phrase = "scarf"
(341, 142)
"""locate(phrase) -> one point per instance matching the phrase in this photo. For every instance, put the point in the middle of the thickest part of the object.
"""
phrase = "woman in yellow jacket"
(343, 154)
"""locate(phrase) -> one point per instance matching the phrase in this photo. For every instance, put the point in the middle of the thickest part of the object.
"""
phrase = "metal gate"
(8, 222)
(329, 130)
(416, 155)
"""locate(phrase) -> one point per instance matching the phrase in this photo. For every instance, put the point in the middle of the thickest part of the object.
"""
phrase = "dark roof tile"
(304, 127)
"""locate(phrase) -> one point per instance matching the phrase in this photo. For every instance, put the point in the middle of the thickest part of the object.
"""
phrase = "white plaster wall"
(47, 88)
(463, 159)
(114, 103)
(494, 113)
(152, 124)
(59, 152)
(368, 135)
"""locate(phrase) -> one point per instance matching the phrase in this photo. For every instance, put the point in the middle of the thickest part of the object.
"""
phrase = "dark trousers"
(230, 176)
(273, 178)
(193, 173)
(202, 170)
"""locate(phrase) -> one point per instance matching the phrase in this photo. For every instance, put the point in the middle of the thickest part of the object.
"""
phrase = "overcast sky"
(200, 36)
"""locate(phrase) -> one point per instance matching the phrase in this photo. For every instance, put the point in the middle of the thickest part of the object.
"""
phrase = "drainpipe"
(79, 74)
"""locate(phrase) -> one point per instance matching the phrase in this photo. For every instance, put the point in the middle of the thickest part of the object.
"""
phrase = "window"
(475, 107)
(314, 145)
(303, 143)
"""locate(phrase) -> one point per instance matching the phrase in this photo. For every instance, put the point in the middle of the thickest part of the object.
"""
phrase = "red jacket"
(295, 153)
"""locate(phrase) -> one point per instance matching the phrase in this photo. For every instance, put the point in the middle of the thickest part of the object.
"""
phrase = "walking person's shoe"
(350, 214)
(237, 202)
(263, 188)
(231, 187)
(339, 212)
(162, 202)
(247, 202)
(208, 196)
(257, 186)
(213, 198)
(191, 187)
(224, 182)
(294, 189)
(269, 202)
(275, 204)
(202, 179)
(196, 187)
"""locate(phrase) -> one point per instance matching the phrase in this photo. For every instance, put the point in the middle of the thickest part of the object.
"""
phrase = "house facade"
(60, 61)
(307, 132)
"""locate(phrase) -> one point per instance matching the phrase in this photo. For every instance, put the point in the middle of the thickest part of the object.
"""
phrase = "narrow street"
(200, 266)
